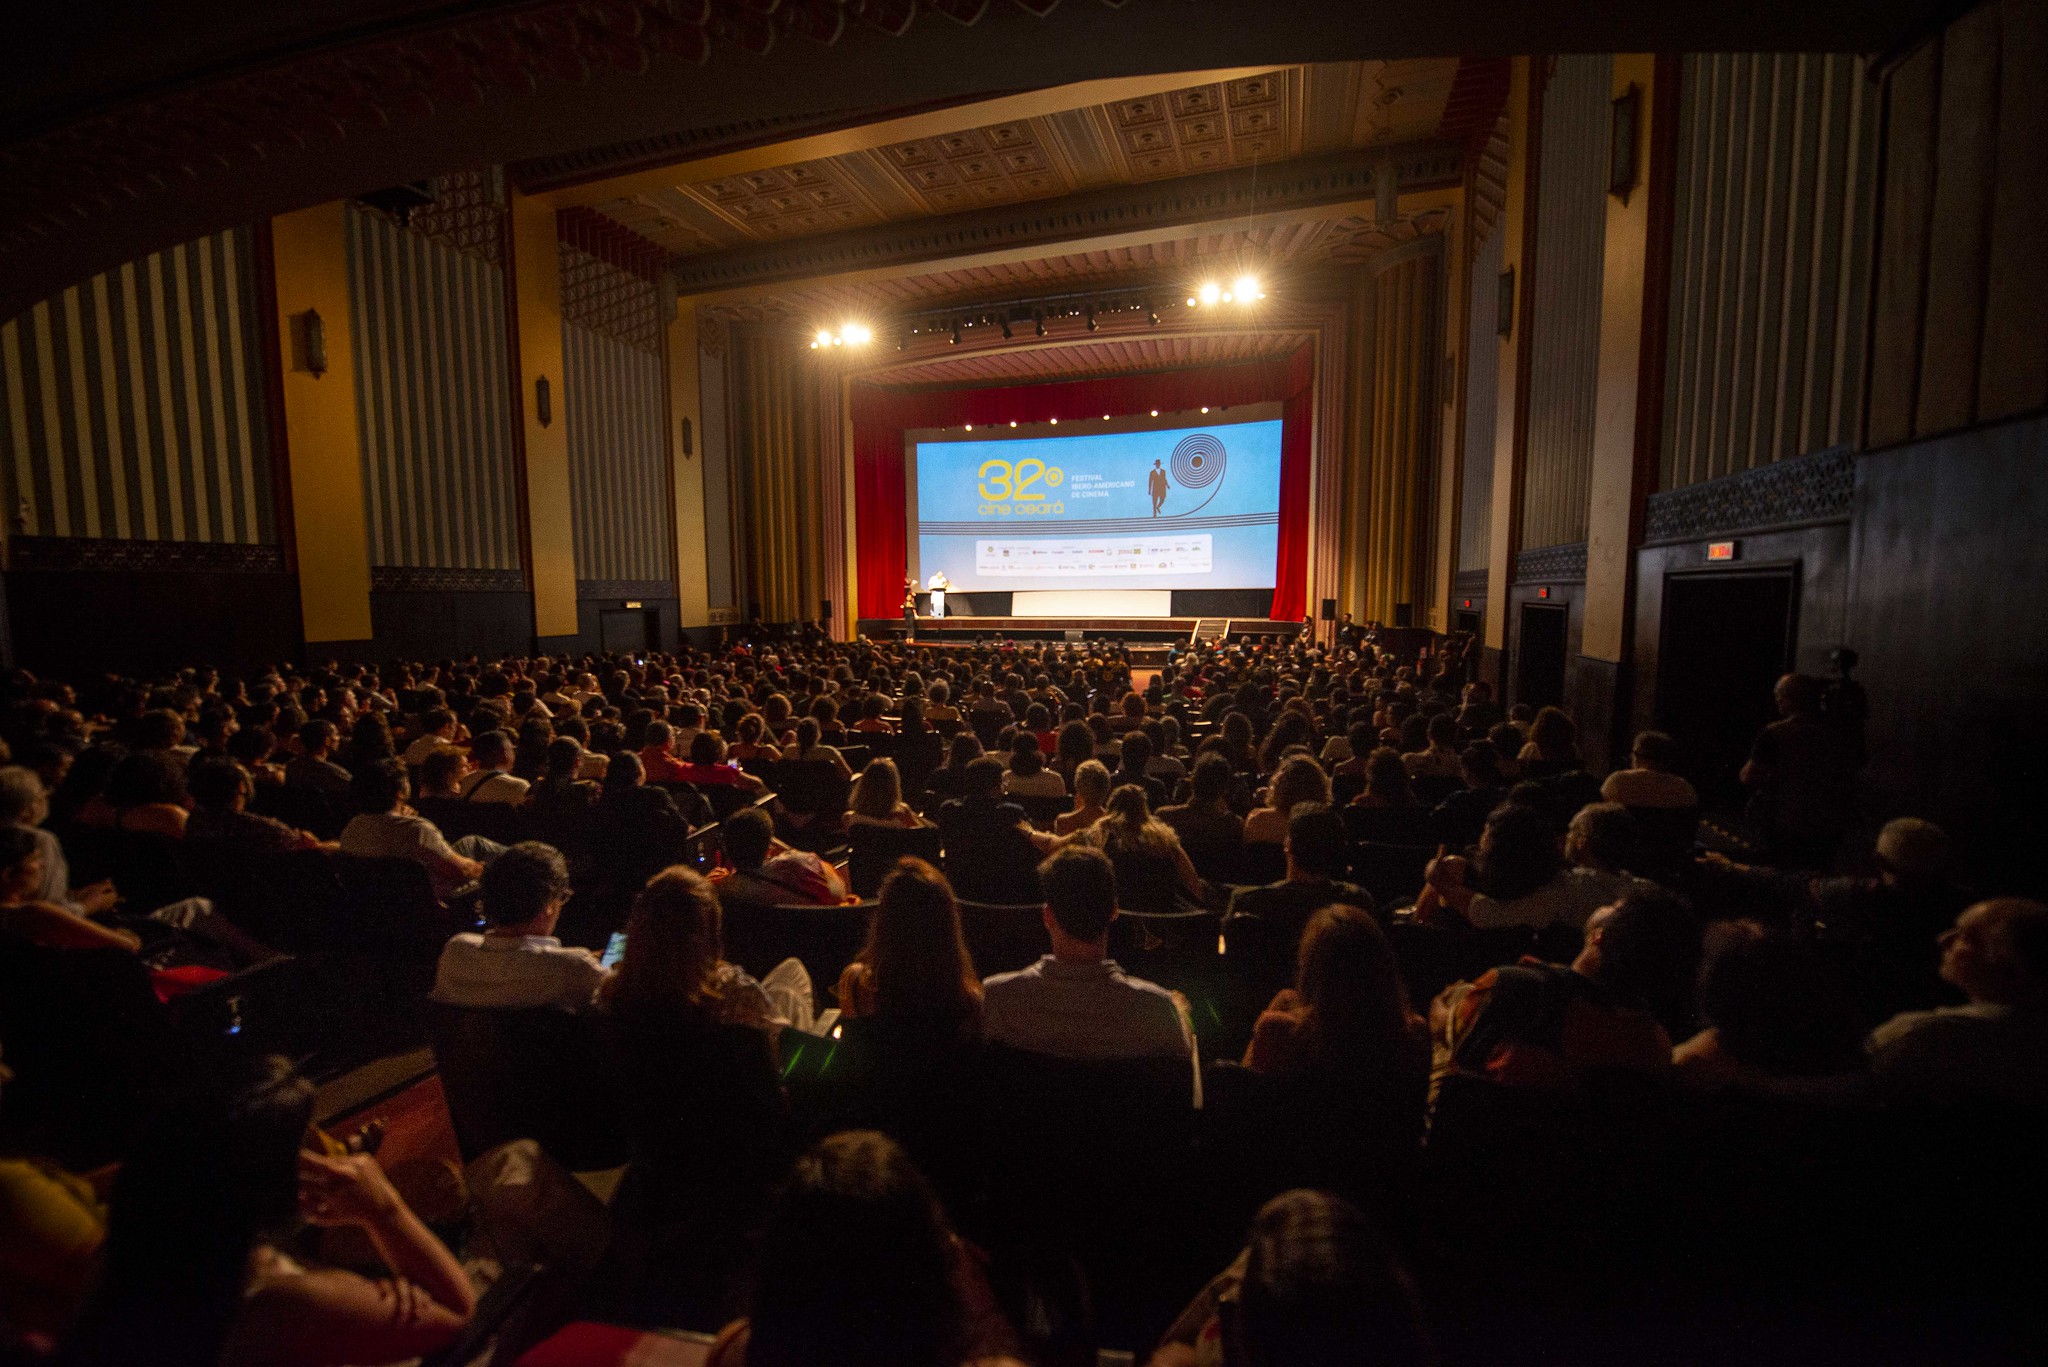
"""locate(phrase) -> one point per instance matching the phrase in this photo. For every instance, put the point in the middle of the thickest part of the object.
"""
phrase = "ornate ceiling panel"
(1204, 127)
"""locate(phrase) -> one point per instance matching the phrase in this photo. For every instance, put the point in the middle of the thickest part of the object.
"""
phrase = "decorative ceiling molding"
(292, 101)
(1073, 361)
(1307, 184)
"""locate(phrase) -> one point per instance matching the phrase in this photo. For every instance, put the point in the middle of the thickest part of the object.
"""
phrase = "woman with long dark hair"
(915, 967)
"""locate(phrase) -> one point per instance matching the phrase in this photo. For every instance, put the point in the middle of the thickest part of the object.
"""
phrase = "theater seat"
(531, 1074)
(824, 939)
(1003, 937)
(873, 851)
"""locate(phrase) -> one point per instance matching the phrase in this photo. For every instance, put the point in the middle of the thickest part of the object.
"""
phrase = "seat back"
(1003, 937)
(874, 850)
(810, 787)
(1391, 873)
(529, 1074)
(824, 939)
(1043, 811)
(1261, 861)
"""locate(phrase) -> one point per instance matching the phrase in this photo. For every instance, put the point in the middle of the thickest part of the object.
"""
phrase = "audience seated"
(493, 780)
(1544, 1026)
(1091, 798)
(1316, 1286)
(1995, 1047)
(516, 962)
(1651, 780)
(1516, 879)
(221, 790)
(387, 828)
(1299, 779)
(313, 768)
(914, 971)
(1272, 917)
(877, 798)
(1076, 1002)
(1211, 833)
(859, 1267)
(765, 872)
(196, 1268)
(1153, 873)
(989, 843)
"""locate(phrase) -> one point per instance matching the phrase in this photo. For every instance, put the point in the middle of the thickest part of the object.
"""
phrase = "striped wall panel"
(1564, 311)
(618, 461)
(1482, 380)
(433, 400)
(132, 404)
(1770, 261)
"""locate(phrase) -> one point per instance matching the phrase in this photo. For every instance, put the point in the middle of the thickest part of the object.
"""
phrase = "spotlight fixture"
(1247, 290)
(1205, 410)
(849, 334)
(1105, 417)
(1013, 422)
(970, 427)
(1054, 421)
(1155, 412)
(1192, 301)
(1210, 292)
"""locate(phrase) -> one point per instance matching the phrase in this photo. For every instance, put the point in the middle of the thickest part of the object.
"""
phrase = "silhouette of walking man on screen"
(1156, 482)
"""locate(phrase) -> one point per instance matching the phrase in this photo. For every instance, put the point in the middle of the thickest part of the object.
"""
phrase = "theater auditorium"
(1030, 683)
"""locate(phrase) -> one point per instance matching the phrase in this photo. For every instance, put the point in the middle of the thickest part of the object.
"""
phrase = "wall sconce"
(309, 343)
(686, 438)
(1623, 134)
(1504, 304)
(543, 401)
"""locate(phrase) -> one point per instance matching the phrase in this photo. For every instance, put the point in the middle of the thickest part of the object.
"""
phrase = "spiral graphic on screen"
(1198, 461)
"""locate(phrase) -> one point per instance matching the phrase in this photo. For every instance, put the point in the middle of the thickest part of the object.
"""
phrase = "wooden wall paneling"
(1959, 237)
(1911, 105)
(1511, 404)
(2013, 372)
(534, 318)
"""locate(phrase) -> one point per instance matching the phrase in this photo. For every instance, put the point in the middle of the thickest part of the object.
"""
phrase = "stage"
(1136, 631)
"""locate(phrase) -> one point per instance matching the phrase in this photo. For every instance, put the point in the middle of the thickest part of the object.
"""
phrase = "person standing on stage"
(1156, 483)
(939, 584)
(910, 605)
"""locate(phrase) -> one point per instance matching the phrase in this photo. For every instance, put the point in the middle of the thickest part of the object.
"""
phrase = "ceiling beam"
(1310, 190)
(866, 137)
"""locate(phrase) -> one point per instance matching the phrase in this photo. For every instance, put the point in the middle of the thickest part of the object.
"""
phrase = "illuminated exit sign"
(1723, 550)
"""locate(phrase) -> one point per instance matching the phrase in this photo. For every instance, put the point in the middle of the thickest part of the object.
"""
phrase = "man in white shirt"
(493, 781)
(389, 829)
(1076, 1002)
(939, 585)
(437, 732)
(1995, 1048)
(517, 963)
(1649, 781)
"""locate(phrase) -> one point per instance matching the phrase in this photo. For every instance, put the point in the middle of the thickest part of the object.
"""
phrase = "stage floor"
(1156, 630)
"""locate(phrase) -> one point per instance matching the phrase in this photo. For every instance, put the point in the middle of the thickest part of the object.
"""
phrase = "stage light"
(859, 334)
(1054, 421)
(1191, 301)
(1155, 412)
(1226, 296)
(838, 341)
(970, 427)
(814, 346)
(1205, 410)
(824, 337)
(1210, 292)
(1013, 422)
(1105, 417)
(1247, 289)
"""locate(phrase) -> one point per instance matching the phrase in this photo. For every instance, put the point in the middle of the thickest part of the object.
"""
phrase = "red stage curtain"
(1290, 575)
(881, 417)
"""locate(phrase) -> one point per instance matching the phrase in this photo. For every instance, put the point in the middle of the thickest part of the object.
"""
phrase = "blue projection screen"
(1182, 508)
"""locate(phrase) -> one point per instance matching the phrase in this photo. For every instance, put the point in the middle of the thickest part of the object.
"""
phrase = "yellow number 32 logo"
(1000, 480)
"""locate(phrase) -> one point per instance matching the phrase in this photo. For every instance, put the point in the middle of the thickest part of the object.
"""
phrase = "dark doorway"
(1467, 622)
(1540, 655)
(1726, 637)
(628, 630)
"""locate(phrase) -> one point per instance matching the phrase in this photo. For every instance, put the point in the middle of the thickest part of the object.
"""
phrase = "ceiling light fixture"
(1210, 292)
